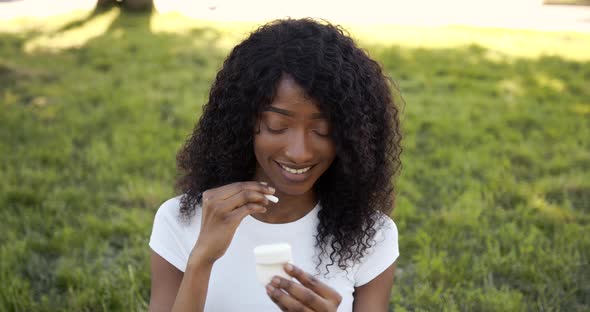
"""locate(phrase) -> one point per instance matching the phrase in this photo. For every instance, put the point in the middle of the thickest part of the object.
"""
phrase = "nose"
(299, 150)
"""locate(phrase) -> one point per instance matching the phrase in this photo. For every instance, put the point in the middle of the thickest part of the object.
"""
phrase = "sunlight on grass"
(225, 34)
(493, 197)
(549, 82)
(551, 211)
(582, 109)
(71, 38)
(510, 89)
(499, 42)
(519, 43)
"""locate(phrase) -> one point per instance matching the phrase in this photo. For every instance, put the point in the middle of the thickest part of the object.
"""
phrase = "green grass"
(494, 201)
(572, 2)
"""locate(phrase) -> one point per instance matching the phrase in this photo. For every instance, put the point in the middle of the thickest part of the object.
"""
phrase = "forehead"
(293, 98)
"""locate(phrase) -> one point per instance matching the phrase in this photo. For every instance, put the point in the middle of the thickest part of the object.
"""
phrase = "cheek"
(328, 152)
(258, 146)
(263, 145)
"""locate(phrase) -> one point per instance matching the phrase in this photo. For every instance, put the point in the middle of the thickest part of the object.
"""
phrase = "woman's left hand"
(310, 295)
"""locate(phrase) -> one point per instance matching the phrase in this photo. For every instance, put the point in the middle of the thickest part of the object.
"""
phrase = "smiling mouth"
(295, 170)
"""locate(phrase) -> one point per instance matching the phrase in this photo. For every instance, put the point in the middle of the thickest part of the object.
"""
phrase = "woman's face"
(293, 147)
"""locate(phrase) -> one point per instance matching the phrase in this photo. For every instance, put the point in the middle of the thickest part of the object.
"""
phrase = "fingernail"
(269, 288)
(271, 189)
(288, 267)
(263, 183)
(276, 281)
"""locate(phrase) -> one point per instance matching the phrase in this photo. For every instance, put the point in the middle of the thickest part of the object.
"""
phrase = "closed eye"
(277, 131)
(321, 134)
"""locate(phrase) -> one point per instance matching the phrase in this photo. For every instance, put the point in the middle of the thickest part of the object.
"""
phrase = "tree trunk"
(127, 5)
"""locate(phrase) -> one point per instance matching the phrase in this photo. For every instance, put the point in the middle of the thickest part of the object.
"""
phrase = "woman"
(299, 112)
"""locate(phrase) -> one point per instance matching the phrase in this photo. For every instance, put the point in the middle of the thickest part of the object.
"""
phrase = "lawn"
(494, 196)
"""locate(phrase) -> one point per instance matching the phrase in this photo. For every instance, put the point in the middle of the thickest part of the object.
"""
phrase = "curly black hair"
(354, 94)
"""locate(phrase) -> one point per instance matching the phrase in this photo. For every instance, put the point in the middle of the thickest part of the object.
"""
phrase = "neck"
(289, 208)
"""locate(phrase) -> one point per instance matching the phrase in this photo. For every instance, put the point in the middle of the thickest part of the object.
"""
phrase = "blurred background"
(493, 209)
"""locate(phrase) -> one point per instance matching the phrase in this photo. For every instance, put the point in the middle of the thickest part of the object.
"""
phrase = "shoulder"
(172, 236)
(168, 217)
(170, 220)
(169, 214)
(170, 209)
(383, 252)
(386, 228)
(386, 236)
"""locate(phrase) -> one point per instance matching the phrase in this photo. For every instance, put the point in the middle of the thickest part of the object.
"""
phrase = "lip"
(292, 177)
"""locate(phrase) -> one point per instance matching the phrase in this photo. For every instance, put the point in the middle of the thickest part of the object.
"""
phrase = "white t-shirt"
(233, 285)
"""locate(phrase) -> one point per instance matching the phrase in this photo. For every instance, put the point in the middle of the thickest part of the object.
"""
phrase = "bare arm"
(173, 290)
(375, 295)
(166, 280)
(193, 288)
(222, 211)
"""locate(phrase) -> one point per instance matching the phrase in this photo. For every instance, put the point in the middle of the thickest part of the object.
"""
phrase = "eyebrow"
(291, 114)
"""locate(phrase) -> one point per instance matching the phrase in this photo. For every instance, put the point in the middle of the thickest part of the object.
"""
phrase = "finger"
(229, 190)
(285, 301)
(235, 188)
(226, 191)
(247, 209)
(300, 293)
(313, 283)
(242, 198)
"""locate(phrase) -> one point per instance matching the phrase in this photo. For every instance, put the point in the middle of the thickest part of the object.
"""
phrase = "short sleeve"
(381, 255)
(168, 233)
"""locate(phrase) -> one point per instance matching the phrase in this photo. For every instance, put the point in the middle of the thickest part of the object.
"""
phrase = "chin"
(293, 190)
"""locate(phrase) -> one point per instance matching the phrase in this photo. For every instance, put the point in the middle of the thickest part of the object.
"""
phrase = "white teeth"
(296, 171)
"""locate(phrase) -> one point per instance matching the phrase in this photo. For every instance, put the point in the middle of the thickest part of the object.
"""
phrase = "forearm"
(192, 292)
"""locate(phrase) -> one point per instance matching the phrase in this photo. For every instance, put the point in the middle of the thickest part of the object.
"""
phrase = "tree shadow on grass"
(91, 116)
(80, 22)
(98, 10)
(123, 97)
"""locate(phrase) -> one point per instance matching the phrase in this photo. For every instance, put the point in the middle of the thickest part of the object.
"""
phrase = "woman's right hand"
(223, 209)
